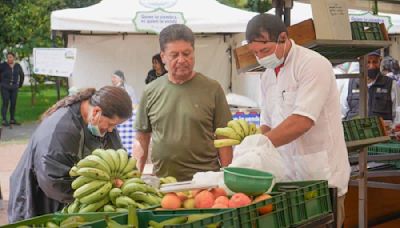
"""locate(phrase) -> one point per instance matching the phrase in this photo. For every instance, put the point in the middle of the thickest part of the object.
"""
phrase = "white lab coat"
(306, 86)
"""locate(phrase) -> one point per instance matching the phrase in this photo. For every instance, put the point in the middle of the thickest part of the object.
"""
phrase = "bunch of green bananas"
(168, 180)
(235, 132)
(107, 180)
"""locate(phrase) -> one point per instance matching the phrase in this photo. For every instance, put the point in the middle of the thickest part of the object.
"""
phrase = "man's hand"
(290, 129)
(141, 151)
(225, 154)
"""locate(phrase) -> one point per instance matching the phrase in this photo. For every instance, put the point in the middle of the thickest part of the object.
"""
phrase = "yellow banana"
(106, 157)
(219, 143)
(227, 132)
(245, 126)
(88, 188)
(97, 195)
(73, 221)
(73, 172)
(252, 128)
(94, 173)
(235, 125)
(119, 209)
(123, 159)
(93, 161)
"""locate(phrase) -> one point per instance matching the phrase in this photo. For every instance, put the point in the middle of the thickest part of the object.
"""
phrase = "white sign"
(368, 17)
(54, 61)
(155, 4)
(155, 21)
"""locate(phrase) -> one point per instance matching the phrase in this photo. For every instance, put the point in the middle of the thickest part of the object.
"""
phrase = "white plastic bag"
(257, 152)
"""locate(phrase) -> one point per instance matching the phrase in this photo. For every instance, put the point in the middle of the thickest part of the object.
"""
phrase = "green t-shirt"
(182, 120)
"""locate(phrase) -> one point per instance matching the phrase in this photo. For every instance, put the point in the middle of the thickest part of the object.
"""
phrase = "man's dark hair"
(175, 32)
(271, 24)
(11, 53)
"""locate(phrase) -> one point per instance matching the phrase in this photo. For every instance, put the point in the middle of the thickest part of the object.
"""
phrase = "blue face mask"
(94, 128)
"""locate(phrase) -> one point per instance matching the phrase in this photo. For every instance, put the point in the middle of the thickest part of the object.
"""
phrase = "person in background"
(118, 79)
(300, 111)
(390, 67)
(180, 113)
(158, 69)
(11, 79)
(382, 92)
(68, 132)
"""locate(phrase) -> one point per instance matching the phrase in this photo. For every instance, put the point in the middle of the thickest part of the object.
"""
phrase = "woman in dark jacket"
(158, 69)
(69, 131)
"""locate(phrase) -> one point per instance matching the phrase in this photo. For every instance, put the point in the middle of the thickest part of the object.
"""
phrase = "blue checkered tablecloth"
(127, 133)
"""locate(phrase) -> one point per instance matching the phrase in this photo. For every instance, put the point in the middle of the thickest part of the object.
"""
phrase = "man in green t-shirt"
(180, 113)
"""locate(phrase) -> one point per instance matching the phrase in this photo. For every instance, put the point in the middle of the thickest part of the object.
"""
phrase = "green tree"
(260, 6)
(25, 24)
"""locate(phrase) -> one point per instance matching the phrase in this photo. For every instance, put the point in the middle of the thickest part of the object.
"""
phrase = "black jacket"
(11, 77)
(40, 183)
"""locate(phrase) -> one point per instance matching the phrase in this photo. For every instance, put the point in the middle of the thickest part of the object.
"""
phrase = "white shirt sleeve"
(343, 86)
(315, 79)
(395, 99)
(264, 118)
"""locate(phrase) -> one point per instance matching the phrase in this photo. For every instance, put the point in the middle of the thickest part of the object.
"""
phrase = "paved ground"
(13, 142)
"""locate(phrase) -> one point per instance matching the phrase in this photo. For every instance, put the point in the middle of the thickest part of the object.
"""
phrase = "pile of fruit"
(234, 133)
(107, 180)
(214, 198)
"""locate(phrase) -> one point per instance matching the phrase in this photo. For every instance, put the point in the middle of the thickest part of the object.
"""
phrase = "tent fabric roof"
(116, 16)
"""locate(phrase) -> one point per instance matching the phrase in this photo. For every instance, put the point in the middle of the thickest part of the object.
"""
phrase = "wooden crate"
(245, 59)
(303, 32)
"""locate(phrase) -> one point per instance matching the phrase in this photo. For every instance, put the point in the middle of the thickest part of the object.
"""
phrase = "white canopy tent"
(108, 36)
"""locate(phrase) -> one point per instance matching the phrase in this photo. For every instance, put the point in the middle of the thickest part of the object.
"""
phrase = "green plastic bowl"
(248, 181)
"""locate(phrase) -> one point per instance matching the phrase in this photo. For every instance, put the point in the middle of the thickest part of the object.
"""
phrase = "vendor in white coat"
(300, 106)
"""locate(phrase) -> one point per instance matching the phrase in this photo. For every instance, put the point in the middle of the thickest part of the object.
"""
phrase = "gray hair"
(175, 32)
(271, 24)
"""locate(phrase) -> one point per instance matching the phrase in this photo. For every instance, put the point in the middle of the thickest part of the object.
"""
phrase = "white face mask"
(271, 61)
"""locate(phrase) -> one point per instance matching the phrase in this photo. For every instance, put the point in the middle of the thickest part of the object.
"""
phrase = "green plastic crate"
(249, 216)
(58, 217)
(366, 31)
(392, 147)
(306, 199)
(226, 217)
(358, 129)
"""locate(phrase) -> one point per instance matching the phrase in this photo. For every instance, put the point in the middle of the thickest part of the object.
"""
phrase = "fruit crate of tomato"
(306, 199)
(64, 220)
(269, 212)
(181, 218)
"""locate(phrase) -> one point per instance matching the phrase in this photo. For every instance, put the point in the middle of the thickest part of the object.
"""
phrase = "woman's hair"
(113, 101)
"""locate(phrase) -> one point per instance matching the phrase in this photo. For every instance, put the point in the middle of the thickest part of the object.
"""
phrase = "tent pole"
(53, 41)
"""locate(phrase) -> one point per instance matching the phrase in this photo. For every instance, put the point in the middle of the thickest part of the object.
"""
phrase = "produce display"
(107, 180)
(235, 132)
(213, 198)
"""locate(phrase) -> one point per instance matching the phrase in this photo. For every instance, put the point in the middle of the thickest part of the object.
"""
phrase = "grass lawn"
(47, 96)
